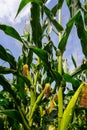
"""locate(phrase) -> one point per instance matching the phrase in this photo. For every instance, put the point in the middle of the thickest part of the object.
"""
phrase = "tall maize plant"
(38, 96)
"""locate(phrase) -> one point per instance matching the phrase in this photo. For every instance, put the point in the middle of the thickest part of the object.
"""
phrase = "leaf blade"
(63, 42)
(82, 33)
(9, 30)
(68, 112)
(52, 19)
(23, 3)
(74, 6)
(14, 114)
(70, 79)
(41, 53)
(35, 25)
(7, 57)
(4, 70)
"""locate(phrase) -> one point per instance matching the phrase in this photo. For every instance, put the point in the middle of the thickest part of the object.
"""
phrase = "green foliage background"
(38, 97)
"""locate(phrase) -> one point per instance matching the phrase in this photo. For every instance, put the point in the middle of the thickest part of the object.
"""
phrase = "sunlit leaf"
(69, 111)
(14, 114)
(23, 3)
(9, 30)
(69, 25)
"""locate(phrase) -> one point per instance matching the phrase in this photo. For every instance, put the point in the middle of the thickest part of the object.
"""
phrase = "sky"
(8, 10)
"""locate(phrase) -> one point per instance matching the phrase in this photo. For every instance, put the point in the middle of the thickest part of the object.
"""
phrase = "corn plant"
(38, 96)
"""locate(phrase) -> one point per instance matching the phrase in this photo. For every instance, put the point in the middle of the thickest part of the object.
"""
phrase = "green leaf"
(35, 25)
(73, 60)
(41, 53)
(85, 13)
(14, 114)
(75, 83)
(30, 57)
(56, 76)
(82, 33)
(3, 53)
(35, 106)
(10, 31)
(69, 25)
(68, 112)
(25, 79)
(4, 70)
(55, 9)
(22, 79)
(57, 6)
(79, 69)
(74, 6)
(3, 102)
(60, 3)
(7, 57)
(6, 85)
(52, 19)
(23, 3)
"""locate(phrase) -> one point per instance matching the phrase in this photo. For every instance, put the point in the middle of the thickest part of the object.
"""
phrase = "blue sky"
(8, 10)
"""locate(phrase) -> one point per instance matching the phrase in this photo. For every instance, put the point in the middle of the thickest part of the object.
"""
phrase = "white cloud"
(8, 10)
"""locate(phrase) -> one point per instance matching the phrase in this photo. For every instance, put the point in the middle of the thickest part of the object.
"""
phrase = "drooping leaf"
(6, 85)
(74, 6)
(79, 69)
(69, 25)
(82, 33)
(41, 53)
(7, 57)
(3, 53)
(4, 70)
(52, 19)
(14, 114)
(56, 76)
(70, 79)
(35, 25)
(23, 3)
(9, 30)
